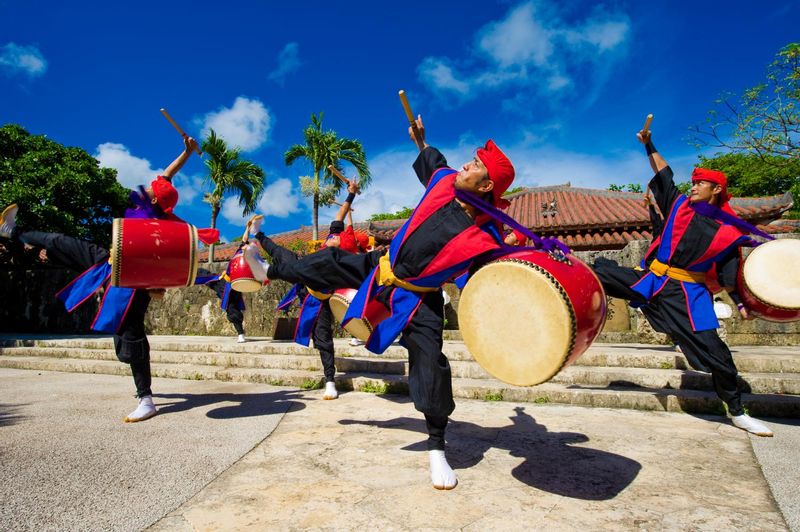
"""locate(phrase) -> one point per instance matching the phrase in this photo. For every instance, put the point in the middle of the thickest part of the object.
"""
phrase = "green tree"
(765, 120)
(630, 187)
(322, 149)
(229, 174)
(403, 213)
(58, 188)
(750, 174)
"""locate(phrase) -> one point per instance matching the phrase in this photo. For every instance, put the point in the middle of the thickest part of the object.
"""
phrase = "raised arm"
(429, 159)
(344, 210)
(175, 166)
(662, 185)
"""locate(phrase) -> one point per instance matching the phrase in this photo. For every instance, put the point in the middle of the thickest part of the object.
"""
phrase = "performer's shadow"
(9, 415)
(551, 463)
(248, 404)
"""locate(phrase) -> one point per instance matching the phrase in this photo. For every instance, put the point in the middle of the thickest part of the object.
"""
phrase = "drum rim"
(116, 250)
(573, 320)
(194, 264)
(248, 279)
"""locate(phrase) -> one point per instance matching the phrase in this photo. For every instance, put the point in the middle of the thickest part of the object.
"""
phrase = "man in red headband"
(515, 238)
(440, 242)
(124, 313)
(672, 292)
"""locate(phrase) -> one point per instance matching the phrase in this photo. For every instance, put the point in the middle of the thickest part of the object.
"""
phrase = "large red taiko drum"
(148, 253)
(769, 283)
(527, 315)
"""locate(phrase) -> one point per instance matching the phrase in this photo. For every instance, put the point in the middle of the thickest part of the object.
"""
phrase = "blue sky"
(561, 86)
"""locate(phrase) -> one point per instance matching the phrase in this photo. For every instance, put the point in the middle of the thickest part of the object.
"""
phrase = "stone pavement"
(360, 462)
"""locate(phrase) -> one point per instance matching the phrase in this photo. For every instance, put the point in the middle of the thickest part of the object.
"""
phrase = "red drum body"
(241, 276)
(358, 328)
(769, 283)
(147, 253)
(526, 316)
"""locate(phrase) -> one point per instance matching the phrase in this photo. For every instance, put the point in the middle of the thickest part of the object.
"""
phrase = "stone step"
(749, 359)
(693, 401)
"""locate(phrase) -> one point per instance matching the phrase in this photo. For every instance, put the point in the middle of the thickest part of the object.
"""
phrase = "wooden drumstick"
(338, 174)
(339, 204)
(246, 235)
(412, 122)
(646, 127)
(177, 127)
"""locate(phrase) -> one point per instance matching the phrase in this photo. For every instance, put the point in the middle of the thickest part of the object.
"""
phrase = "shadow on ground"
(9, 415)
(248, 404)
(551, 462)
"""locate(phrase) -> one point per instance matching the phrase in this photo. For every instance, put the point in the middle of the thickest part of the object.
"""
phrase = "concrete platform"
(359, 462)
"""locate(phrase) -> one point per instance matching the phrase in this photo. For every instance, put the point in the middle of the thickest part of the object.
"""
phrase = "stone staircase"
(643, 377)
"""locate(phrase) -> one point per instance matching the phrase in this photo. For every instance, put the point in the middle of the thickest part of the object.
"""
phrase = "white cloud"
(532, 50)
(280, 199)
(188, 188)
(132, 171)
(245, 125)
(27, 60)
(288, 62)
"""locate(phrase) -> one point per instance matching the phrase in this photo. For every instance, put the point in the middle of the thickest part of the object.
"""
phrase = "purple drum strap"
(712, 211)
(545, 244)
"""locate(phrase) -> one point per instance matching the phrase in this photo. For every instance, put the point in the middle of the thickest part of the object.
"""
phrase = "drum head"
(357, 328)
(770, 273)
(246, 285)
(517, 322)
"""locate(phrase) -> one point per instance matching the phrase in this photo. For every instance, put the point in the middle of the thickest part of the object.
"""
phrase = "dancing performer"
(315, 314)
(441, 240)
(673, 292)
(122, 310)
(232, 302)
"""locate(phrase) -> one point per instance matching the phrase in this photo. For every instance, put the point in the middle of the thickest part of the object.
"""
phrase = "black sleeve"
(728, 268)
(428, 161)
(655, 220)
(664, 190)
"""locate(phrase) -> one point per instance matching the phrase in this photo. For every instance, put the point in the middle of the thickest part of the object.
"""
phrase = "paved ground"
(780, 462)
(67, 462)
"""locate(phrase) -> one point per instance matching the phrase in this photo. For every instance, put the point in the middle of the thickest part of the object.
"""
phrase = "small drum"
(526, 316)
(241, 276)
(358, 328)
(148, 253)
(769, 284)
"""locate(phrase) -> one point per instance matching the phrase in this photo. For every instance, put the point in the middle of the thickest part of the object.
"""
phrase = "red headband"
(166, 194)
(500, 169)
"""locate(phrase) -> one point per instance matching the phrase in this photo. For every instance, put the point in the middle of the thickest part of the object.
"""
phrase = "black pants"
(323, 341)
(234, 314)
(429, 374)
(130, 341)
(667, 312)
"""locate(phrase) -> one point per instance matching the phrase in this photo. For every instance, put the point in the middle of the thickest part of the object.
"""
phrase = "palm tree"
(228, 174)
(323, 148)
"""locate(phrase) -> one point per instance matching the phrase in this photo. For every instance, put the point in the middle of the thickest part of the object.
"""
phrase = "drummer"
(316, 316)
(121, 310)
(673, 292)
(438, 243)
(515, 238)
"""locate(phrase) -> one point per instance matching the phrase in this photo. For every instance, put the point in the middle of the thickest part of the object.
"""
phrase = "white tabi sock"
(145, 410)
(241, 339)
(751, 425)
(442, 475)
(257, 264)
(330, 391)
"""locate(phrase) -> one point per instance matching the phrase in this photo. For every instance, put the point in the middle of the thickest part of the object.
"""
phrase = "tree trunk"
(315, 212)
(214, 214)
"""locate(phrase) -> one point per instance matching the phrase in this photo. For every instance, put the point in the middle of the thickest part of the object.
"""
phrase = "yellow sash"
(318, 295)
(659, 268)
(386, 277)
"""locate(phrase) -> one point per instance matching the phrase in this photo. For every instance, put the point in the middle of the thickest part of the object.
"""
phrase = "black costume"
(689, 244)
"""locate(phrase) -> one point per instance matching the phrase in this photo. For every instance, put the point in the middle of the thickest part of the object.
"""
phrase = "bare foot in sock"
(442, 475)
(330, 391)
